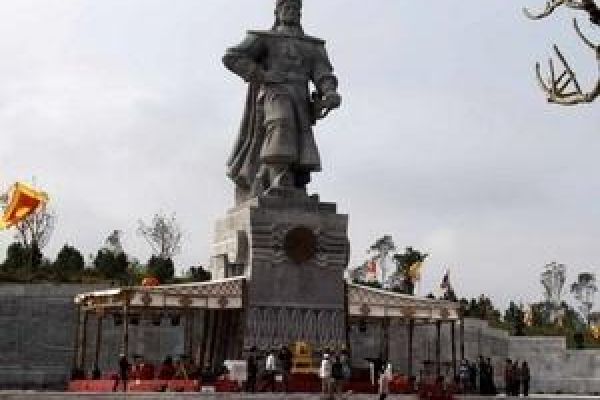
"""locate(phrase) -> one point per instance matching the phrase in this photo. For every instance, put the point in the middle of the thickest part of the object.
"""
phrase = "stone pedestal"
(293, 249)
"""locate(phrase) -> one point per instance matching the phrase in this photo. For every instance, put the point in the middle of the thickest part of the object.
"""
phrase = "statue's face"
(289, 13)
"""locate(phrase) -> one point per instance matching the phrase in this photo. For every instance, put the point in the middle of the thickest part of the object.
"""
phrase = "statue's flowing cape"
(244, 160)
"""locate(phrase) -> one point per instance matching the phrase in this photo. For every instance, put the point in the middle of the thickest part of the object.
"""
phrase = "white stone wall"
(37, 330)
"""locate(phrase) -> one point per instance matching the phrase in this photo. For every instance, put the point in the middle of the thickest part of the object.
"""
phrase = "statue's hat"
(279, 3)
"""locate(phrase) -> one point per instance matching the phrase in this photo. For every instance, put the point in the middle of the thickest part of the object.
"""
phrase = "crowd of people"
(264, 368)
(478, 377)
(516, 378)
(182, 369)
(334, 371)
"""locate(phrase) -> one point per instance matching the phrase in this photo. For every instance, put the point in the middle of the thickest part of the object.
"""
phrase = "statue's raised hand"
(331, 100)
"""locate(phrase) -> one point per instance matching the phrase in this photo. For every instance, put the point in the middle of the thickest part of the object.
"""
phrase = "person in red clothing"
(146, 370)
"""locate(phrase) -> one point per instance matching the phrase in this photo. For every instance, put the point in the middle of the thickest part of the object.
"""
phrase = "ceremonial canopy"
(219, 294)
(365, 301)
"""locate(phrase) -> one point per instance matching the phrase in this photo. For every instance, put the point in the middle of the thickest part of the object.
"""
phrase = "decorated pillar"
(385, 338)
(462, 337)
(125, 343)
(83, 342)
(76, 345)
(438, 361)
(99, 318)
(411, 331)
(453, 339)
(215, 342)
(201, 353)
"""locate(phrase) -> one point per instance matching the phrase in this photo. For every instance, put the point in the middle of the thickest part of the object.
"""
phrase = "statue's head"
(288, 12)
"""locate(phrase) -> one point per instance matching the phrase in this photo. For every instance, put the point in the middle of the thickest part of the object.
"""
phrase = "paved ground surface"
(27, 395)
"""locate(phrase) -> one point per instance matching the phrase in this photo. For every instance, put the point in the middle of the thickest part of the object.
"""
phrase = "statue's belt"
(294, 77)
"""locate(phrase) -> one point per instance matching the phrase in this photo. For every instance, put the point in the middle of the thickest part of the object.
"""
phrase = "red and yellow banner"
(23, 200)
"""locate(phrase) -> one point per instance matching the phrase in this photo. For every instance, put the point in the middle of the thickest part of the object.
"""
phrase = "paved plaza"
(25, 395)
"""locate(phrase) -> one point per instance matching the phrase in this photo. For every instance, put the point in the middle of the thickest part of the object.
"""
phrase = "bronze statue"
(276, 147)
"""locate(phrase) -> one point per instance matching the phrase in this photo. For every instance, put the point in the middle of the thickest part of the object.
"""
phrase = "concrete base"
(293, 250)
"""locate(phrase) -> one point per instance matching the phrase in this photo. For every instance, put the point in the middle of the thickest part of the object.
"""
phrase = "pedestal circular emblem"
(300, 244)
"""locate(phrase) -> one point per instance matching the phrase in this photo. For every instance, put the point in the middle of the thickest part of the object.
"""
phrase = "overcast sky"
(122, 108)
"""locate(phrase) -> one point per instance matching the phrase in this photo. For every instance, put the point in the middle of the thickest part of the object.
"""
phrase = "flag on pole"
(23, 200)
(446, 281)
(371, 270)
(444, 287)
(414, 271)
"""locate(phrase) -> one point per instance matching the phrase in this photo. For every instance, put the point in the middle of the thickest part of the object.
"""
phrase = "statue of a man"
(276, 146)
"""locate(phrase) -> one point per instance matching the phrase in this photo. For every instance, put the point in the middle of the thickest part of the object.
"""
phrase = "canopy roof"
(218, 294)
(364, 301)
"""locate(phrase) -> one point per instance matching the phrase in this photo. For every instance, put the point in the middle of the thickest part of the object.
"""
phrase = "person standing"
(384, 382)
(463, 374)
(525, 378)
(472, 376)
(325, 375)
(516, 384)
(124, 370)
(481, 381)
(347, 370)
(270, 370)
(285, 359)
(252, 371)
(490, 378)
(337, 374)
(508, 378)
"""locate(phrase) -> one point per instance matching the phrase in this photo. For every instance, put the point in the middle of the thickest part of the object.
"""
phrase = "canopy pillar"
(438, 361)
(99, 318)
(411, 331)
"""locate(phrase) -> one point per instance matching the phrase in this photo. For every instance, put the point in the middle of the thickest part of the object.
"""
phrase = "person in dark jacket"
(516, 384)
(508, 377)
(525, 378)
(252, 369)
(285, 361)
(337, 374)
(124, 370)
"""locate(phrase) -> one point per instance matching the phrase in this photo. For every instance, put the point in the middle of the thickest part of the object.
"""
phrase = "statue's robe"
(277, 122)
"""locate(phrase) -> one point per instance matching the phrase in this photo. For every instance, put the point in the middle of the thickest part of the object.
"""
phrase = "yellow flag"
(23, 201)
(414, 271)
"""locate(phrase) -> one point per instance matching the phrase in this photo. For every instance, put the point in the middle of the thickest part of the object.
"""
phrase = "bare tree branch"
(587, 5)
(36, 228)
(163, 235)
(556, 89)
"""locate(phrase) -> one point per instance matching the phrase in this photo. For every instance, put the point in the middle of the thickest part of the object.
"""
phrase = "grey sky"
(121, 108)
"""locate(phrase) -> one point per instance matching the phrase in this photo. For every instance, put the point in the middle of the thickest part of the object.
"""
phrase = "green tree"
(69, 261)
(111, 265)
(16, 257)
(480, 307)
(161, 268)
(540, 314)
(404, 261)
(19, 257)
(515, 317)
(198, 274)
